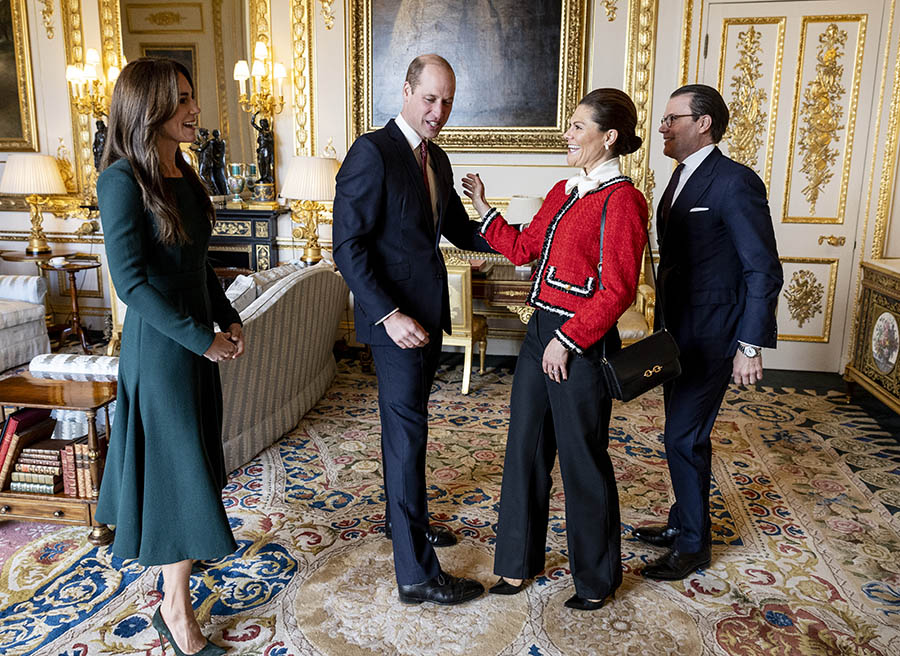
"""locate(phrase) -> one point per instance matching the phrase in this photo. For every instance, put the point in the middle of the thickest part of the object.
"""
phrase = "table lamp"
(308, 182)
(36, 177)
(522, 209)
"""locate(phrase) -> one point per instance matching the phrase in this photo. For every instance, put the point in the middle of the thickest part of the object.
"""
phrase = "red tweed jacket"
(587, 265)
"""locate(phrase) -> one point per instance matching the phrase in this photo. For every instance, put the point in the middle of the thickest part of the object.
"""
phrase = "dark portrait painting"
(506, 54)
(186, 55)
(10, 112)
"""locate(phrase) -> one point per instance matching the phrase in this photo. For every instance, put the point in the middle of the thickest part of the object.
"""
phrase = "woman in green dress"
(165, 468)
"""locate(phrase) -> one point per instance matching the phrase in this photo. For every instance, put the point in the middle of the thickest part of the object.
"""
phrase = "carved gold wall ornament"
(524, 312)
(165, 18)
(804, 296)
(822, 113)
(47, 17)
(110, 34)
(301, 76)
(263, 257)
(232, 228)
(687, 23)
(747, 124)
(809, 294)
(639, 64)
(611, 6)
(833, 240)
(221, 92)
(327, 13)
(818, 118)
(891, 152)
(64, 163)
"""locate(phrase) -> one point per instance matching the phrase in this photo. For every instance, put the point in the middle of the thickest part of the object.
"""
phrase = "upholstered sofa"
(23, 328)
(290, 315)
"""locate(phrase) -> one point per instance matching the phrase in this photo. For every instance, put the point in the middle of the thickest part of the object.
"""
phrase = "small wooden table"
(71, 267)
(26, 391)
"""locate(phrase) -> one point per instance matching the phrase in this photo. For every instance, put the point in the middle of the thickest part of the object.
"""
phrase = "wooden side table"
(26, 391)
(71, 267)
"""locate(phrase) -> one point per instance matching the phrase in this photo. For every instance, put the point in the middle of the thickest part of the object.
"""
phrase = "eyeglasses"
(671, 118)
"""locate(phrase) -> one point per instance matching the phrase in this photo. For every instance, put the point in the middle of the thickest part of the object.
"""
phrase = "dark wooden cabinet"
(245, 239)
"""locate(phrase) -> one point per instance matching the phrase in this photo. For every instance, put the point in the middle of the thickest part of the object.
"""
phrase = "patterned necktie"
(423, 160)
(669, 194)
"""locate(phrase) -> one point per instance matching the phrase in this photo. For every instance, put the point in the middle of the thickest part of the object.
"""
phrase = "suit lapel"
(413, 170)
(694, 188)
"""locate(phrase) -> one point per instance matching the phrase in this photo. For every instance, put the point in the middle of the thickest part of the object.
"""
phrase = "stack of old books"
(34, 462)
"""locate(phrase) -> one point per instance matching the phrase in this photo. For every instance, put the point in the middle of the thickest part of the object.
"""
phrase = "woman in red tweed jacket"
(587, 241)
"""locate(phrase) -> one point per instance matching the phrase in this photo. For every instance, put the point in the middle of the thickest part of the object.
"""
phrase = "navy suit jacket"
(386, 244)
(719, 272)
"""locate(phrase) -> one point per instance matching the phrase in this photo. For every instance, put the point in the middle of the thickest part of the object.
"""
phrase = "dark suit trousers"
(573, 417)
(404, 384)
(692, 403)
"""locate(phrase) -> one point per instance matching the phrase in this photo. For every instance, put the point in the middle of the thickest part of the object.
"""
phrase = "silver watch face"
(749, 351)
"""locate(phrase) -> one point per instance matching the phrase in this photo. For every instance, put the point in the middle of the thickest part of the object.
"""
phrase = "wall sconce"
(265, 79)
(36, 177)
(309, 181)
(90, 90)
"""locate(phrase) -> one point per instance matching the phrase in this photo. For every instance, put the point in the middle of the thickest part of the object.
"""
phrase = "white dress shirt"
(691, 164)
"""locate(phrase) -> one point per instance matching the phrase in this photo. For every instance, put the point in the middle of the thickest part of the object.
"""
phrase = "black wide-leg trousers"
(405, 377)
(571, 417)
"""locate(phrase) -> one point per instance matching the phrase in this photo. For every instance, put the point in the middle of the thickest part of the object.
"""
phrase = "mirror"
(208, 37)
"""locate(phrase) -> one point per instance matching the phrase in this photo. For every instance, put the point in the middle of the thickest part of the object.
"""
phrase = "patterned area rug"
(806, 554)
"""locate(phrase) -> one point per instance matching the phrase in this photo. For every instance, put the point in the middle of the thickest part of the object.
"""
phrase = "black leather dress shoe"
(579, 603)
(658, 536)
(444, 589)
(675, 565)
(438, 536)
(504, 587)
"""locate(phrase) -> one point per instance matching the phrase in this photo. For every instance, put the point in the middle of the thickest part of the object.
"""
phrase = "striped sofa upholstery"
(289, 329)
(23, 329)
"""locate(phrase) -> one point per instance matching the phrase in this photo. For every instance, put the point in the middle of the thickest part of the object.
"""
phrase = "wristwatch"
(748, 350)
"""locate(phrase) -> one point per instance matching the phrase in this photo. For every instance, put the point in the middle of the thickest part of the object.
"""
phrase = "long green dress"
(165, 468)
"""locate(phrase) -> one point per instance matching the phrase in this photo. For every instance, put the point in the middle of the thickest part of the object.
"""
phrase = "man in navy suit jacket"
(718, 284)
(394, 200)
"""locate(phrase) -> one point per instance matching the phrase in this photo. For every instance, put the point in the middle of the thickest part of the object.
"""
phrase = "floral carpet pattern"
(806, 553)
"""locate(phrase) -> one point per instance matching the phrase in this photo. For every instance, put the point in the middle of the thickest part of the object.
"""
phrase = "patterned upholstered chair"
(468, 328)
(23, 327)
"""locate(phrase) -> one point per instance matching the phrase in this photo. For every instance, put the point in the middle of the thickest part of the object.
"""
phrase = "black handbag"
(649, 362)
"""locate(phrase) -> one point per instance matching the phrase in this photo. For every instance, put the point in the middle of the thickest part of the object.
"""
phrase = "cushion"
(69, 366)
(30, 289)
(268, 277)
(632, 325)
(241, 292)
(13, 313)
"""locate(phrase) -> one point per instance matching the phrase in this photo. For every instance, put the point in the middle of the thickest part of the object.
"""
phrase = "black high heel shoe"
(209, 649)
(578, 603)
(504, 587)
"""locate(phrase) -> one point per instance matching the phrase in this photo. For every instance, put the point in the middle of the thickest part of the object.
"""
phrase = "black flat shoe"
(504, 587)
(438, 536)
(658, 536)
(579, 603)
(675, 565)
(444, 589)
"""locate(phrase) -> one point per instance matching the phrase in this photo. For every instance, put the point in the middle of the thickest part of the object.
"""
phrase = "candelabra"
(265, 79)
(91, 91)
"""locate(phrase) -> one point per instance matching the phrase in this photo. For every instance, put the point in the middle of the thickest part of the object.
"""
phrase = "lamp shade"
(27, 173)
(522, 209)
(310, 178)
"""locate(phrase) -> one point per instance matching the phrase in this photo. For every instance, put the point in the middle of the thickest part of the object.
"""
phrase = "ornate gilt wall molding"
(746, 129)
(165, 18)
(327, 13)
(73, 36)
(47, 17)
(302, 77)
(260, 11)
(639, 63)
(687, 26)
(804, 295)
(110, 33)
(819, 107)
(221, 81)
(611, 7)
(23, 91)
(889, 167)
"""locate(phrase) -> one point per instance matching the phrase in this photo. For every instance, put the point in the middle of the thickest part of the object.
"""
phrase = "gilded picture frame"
(18, 125)
(519, 75)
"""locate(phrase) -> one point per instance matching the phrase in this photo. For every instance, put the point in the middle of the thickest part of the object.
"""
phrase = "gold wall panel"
(73, 36)
(640, 60)
(164, 18)
(47, 18)
(891, 149)
(301, 75)
(808, 293)
(823, 119)
(750, 80)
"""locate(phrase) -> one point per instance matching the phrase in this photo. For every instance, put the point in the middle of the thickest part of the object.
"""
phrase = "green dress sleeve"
(223, 313)
(127, 239)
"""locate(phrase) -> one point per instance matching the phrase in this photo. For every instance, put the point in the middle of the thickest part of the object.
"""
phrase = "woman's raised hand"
(222, 348)
(473, 187)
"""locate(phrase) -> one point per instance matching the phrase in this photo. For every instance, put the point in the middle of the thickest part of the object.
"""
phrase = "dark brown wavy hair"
(144, 98)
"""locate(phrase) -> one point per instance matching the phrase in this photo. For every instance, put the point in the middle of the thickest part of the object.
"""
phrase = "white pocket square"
(699, 209)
